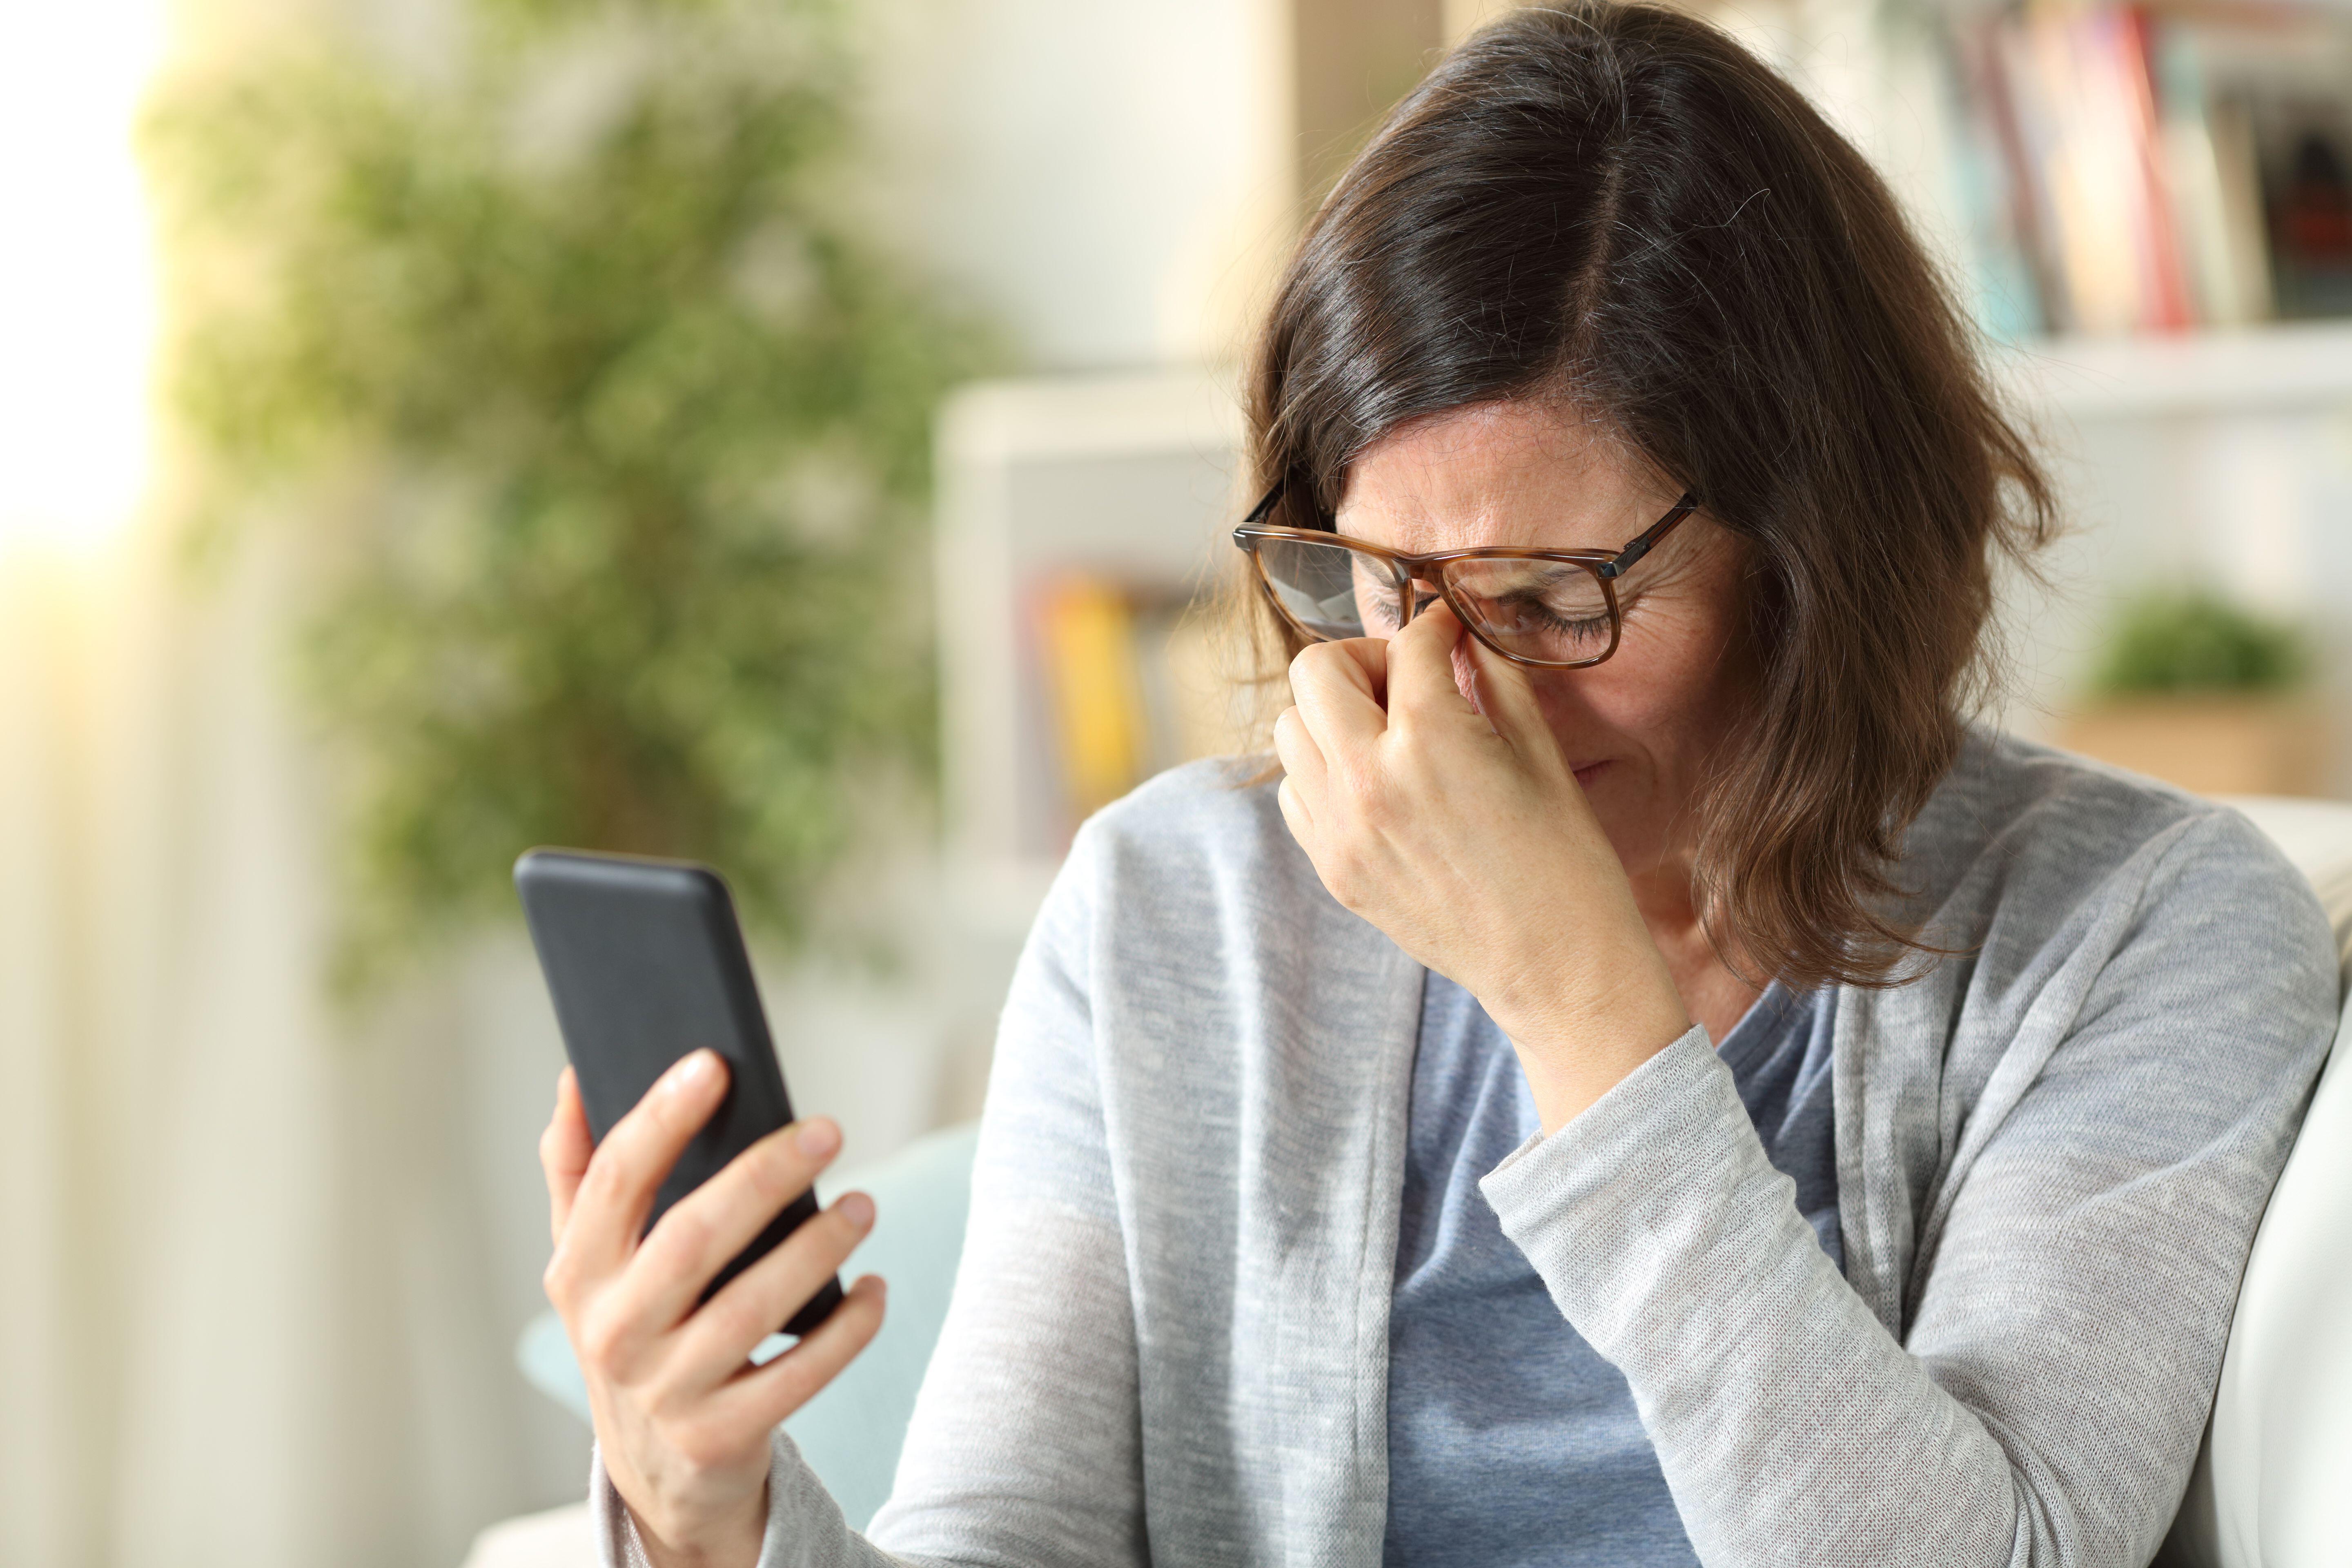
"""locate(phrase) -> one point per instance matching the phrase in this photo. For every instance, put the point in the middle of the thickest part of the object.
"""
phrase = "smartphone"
(645, 962)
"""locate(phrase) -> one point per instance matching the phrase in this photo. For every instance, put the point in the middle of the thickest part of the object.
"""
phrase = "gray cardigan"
(1170, 1331)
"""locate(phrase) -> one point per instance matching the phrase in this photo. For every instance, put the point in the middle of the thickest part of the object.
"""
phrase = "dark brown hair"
(1619, 206)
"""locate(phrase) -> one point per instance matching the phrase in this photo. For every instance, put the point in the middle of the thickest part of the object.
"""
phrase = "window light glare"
(77, 310)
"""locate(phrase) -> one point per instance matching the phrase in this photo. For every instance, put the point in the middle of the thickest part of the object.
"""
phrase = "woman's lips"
(1586, 772)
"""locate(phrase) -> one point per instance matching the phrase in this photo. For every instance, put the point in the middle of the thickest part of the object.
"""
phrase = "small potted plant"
(2206, 695)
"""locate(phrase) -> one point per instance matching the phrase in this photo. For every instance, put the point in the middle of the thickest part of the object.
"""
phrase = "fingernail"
(856, 1208)
(818, 1137)
(693, 1072)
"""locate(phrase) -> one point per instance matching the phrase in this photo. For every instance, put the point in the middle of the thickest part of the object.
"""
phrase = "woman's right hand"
(682, 1417)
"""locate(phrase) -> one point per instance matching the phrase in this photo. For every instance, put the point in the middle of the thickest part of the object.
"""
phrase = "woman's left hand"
(1471, 845)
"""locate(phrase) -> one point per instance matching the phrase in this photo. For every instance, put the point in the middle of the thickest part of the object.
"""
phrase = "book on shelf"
(2155, 168)
(1131, 681)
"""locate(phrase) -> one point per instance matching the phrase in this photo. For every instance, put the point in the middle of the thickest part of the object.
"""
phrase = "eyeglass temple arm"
(1265, 507)
(1641, 544)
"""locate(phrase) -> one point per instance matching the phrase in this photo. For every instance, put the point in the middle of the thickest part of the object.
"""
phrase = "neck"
(1711, 993)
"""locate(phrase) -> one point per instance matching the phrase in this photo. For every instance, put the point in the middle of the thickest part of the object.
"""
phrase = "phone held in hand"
(646, 963)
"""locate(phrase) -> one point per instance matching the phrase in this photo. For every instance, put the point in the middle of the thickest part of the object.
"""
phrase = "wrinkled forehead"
(1529, 473)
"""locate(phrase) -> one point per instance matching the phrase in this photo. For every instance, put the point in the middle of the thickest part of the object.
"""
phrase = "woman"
(1649, 1084)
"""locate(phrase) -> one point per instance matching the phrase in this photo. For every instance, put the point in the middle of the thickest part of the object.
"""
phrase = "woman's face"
(1640, 727)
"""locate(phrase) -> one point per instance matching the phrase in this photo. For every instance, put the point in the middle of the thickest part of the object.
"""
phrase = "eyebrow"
(1623, 557)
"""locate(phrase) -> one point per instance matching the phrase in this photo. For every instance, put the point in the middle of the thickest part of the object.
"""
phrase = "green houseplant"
(612, 425)
(2206, 694)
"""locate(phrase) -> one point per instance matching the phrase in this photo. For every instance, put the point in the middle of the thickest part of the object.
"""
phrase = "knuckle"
(702, 1443)
(669, 1115)
(609, 1176)
(799, 1381)
(1345, 874)
(666, 1400)
(602, 1337)
(846, 1231)
(825, 1244)
(773, 1175)
(684, 1236)
(1369, 802)
(741, 1315)
(565, 1278)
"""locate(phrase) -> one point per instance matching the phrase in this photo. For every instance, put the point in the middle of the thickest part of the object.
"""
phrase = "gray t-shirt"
(1510, 1440)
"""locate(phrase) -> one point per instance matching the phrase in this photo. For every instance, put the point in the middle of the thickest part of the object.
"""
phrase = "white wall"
(1110, 176)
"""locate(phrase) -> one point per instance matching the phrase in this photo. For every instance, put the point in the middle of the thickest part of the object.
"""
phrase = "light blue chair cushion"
(851, 1432)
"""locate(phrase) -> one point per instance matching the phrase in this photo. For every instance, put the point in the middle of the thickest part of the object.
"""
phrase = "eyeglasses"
(1555, 609)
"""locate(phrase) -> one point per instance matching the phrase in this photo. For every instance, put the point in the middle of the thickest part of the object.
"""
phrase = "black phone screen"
(645, 963)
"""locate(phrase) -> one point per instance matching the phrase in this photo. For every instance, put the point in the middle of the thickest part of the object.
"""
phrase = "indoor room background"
(800, 436)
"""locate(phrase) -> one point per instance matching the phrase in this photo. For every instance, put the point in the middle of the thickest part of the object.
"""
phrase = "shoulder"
(2014, 810)
(1196, 850)
(1195, 808)
(1203, 826)
(2022, 842)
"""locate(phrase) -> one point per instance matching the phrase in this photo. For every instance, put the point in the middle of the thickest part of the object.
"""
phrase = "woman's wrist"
(734, 1544)
(1576, 1048)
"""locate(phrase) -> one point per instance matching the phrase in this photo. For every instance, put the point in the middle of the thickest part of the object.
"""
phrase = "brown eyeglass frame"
(1606, 567)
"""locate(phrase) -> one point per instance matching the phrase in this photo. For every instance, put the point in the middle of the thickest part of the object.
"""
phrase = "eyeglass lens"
(1555, 611)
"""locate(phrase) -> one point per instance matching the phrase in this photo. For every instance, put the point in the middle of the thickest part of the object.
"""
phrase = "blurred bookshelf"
(1080, 519)
(2153, 167)
(2093, 168)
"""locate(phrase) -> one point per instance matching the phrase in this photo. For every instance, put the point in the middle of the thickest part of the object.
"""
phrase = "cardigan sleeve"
(2059, 1355)
(1025, 1445)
